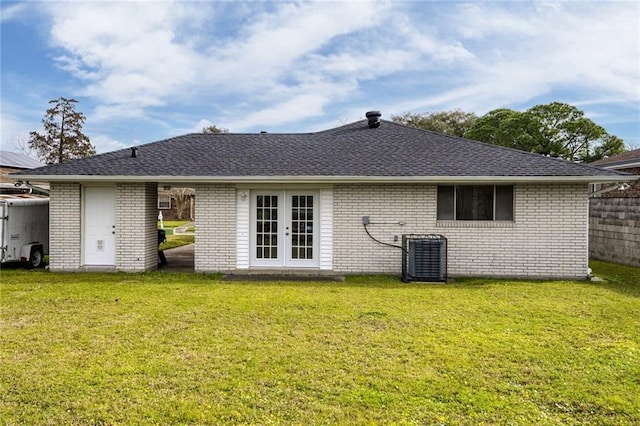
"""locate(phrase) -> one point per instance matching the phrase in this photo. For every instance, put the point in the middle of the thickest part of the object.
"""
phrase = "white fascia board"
(329, 179)
(621, 166)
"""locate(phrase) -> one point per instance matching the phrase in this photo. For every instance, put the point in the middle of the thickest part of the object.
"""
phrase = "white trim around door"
(284, 229)
(99, 217)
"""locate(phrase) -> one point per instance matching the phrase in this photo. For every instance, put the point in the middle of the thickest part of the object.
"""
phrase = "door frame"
(284, 232)
(85, 222)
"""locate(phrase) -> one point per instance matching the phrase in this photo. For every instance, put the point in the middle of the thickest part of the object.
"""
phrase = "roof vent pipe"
(374, 119)
(134, 152)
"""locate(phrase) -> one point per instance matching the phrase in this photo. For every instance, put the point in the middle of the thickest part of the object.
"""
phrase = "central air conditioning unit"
(424, 258)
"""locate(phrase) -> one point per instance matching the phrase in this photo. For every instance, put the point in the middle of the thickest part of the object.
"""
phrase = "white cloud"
(140, 55)
(105, 143)
(240, 65)
(15, 11)
(201, 124)
(126, 51)
(294, 109)
(588, 46)
(14, 135)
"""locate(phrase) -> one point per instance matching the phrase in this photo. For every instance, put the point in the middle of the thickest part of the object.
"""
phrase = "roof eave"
(621, 165)
(328, 179)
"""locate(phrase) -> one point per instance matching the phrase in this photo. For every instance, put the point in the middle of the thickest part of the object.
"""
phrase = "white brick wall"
(65, 227)
(547, 239)
(215, 249)
(136, 227)
(136, 235)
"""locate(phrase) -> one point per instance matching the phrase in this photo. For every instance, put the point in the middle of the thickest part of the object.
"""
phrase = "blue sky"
(147, 70)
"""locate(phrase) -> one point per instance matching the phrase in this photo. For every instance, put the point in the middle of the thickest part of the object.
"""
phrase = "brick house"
(627, 162)
(614, 216)
(171, 208)
(299, 203)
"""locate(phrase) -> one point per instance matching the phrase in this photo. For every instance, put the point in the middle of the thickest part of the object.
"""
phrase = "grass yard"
(177, 241)
(191, 349)
(173, 223)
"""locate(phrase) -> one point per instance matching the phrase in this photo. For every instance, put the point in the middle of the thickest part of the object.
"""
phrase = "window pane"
(474, 202)
(445, 202)
(484, 201)
(504, 202)
(464, 203)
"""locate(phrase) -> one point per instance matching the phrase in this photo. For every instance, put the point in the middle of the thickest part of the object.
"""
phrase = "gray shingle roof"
(391, 150)
(619, 161)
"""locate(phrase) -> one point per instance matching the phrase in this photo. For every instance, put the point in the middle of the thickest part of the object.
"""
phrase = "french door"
(284, 228)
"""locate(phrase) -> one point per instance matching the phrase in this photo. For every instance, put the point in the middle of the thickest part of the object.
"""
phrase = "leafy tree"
(509, 128)
(63, 138)
(580, 138)
(455, 122)
(556, 129)
(214, 129)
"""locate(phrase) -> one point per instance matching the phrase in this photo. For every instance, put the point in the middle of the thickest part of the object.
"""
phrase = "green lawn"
(173, 223)
(170, 225)
(177, 241)
(163, 348)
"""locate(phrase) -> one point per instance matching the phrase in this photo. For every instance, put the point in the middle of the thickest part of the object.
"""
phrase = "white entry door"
(99, 225)
(284, 229)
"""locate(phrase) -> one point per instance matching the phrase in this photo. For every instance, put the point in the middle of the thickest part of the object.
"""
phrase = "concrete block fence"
(614, 230)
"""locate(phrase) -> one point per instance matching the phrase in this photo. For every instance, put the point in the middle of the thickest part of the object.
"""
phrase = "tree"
(182, 197)
(513, 129)
(21, 143)
(555, 129)
(580, 138)
(455, 122)
(63, 138)
(214, 129)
